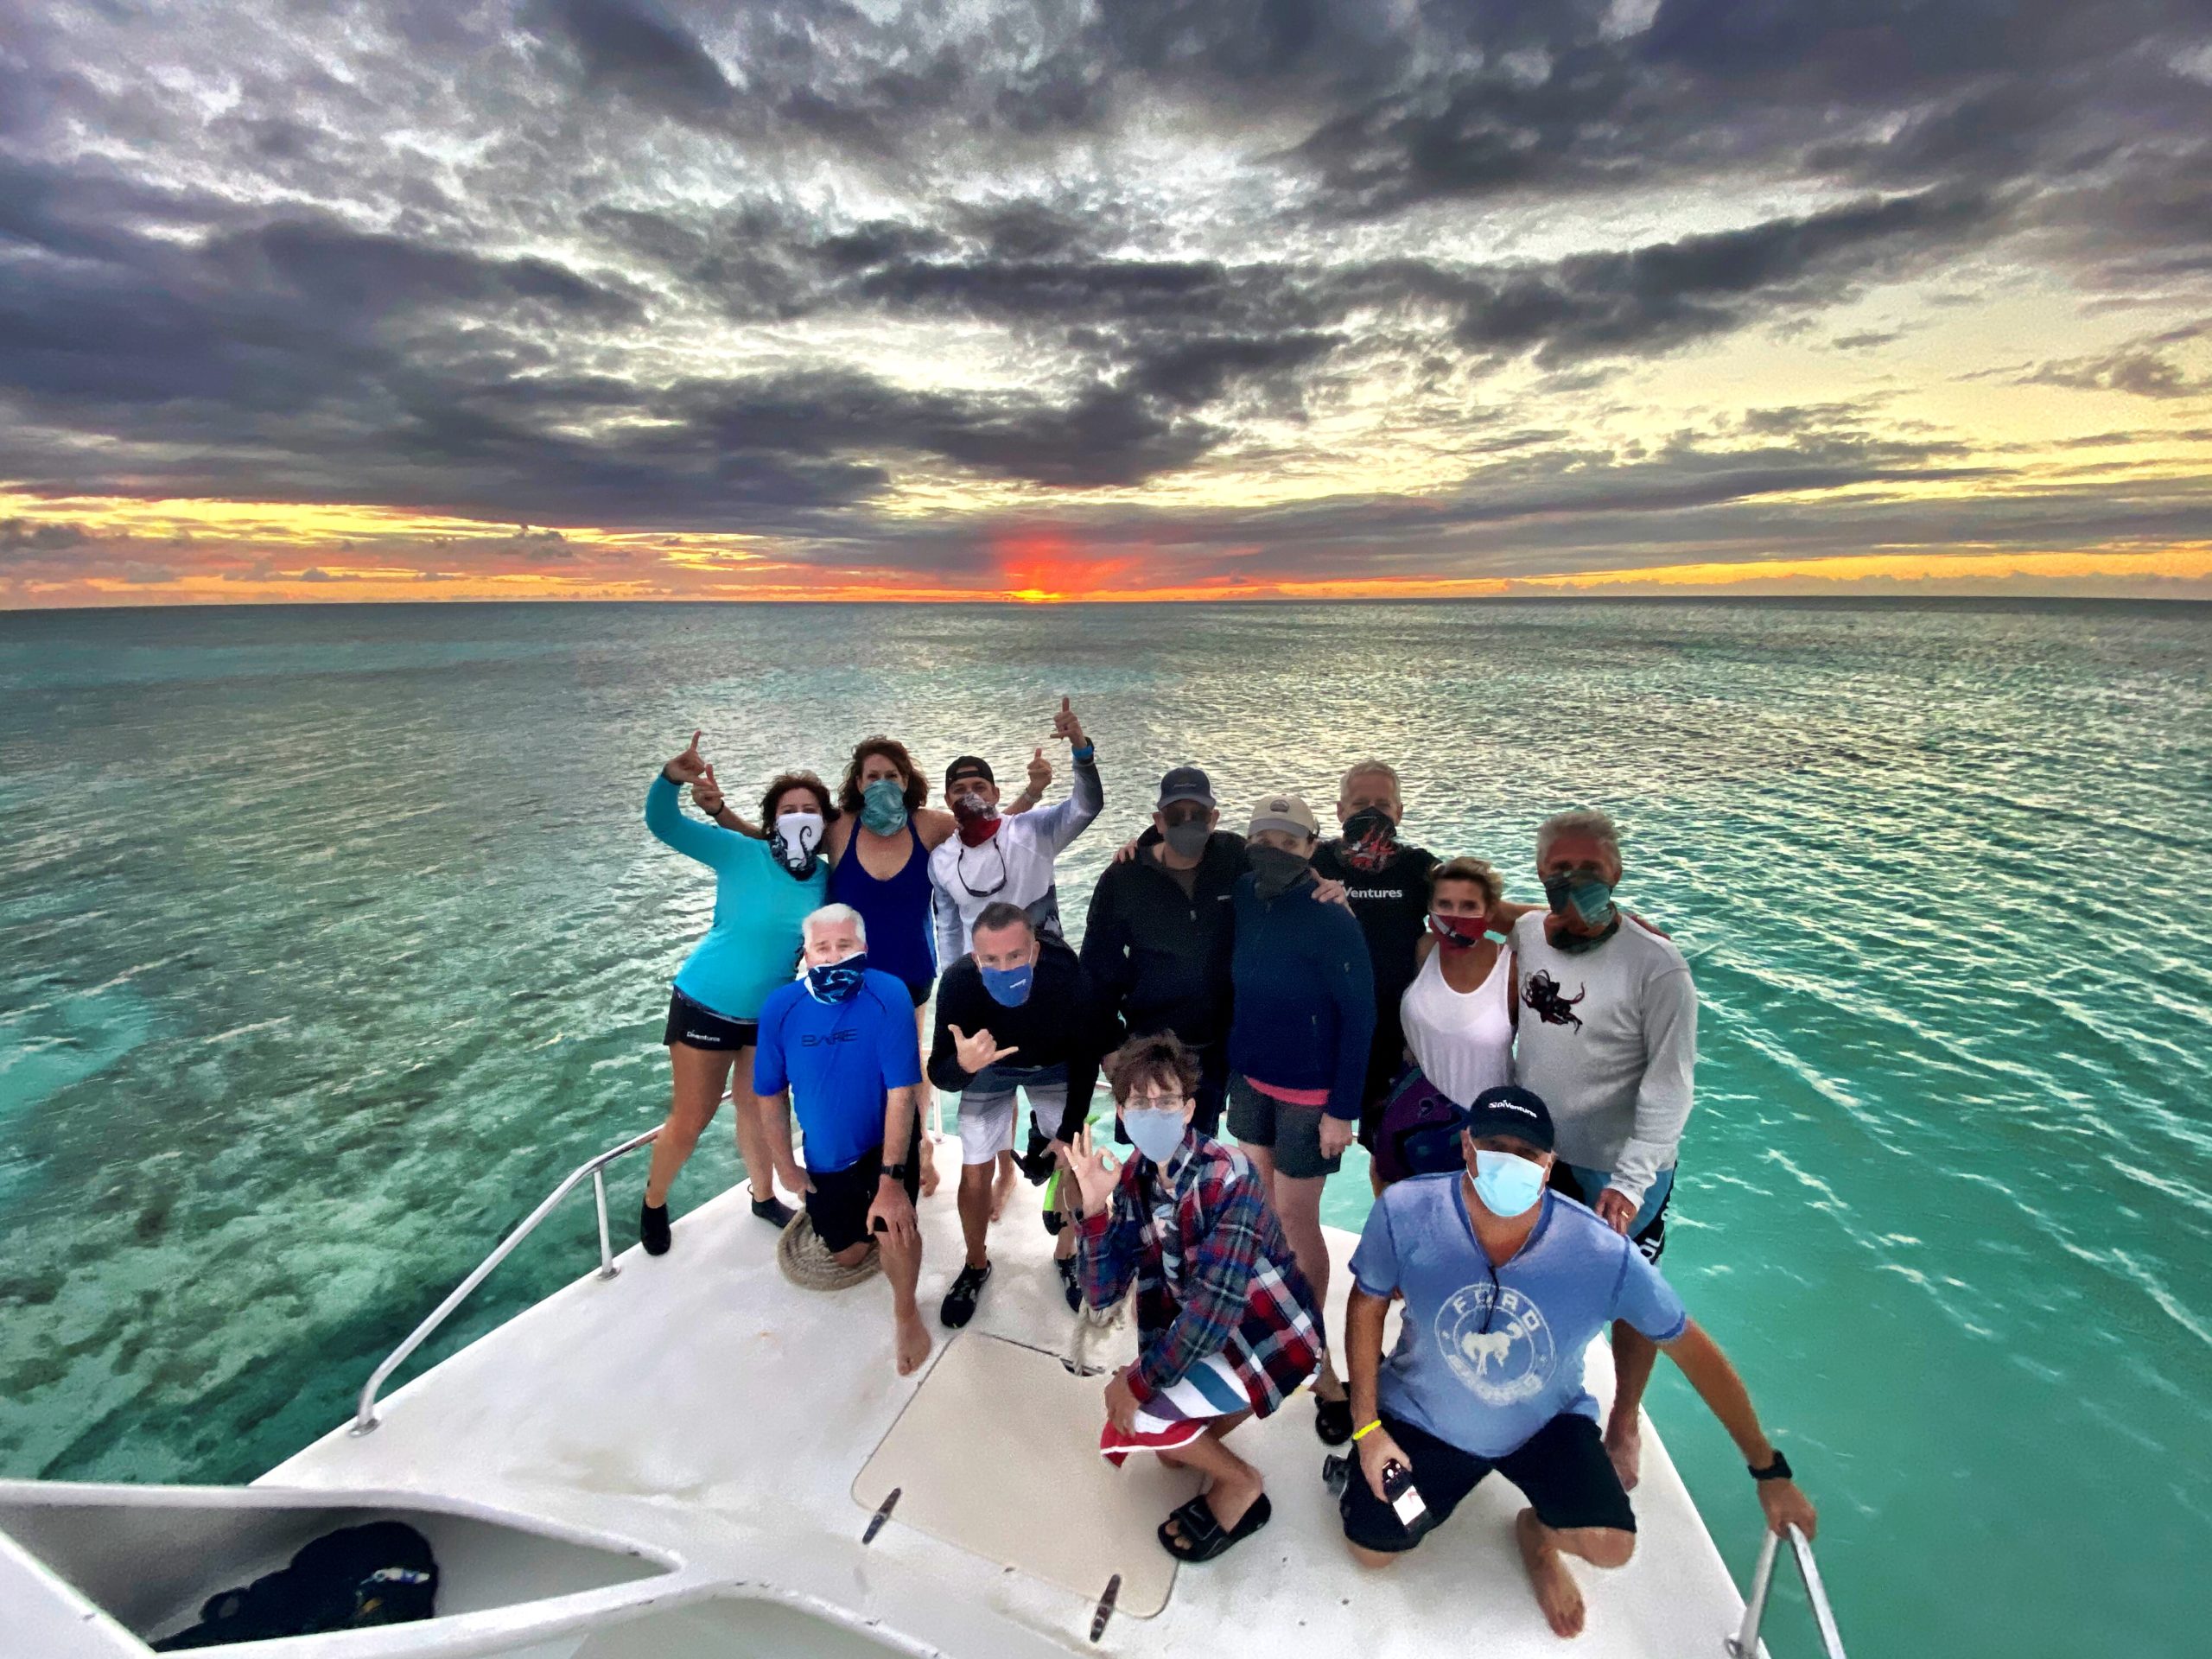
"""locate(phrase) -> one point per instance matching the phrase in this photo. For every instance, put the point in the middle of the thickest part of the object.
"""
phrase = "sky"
(1033, 299)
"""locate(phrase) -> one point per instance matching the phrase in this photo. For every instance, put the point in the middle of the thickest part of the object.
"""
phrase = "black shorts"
(1562, 1470)
(919, 990)
(1650, 1238)
(838, 1206)
(695, 1025)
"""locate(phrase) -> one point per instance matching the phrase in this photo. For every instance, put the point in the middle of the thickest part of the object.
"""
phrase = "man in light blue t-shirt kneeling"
(1506, 1285)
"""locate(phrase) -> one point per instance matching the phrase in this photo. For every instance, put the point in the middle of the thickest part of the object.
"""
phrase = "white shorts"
(987, 1118)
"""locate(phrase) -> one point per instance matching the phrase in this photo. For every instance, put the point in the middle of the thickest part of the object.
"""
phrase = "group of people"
(1520, 1074)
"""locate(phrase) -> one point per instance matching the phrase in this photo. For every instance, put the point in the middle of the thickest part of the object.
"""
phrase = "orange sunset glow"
(1612, 301)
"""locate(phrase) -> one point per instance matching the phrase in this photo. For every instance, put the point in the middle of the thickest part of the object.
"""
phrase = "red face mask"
(977, 818)
(1458, 932)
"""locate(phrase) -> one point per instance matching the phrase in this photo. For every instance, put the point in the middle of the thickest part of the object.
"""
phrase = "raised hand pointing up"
(688, 767)
(1064, 724)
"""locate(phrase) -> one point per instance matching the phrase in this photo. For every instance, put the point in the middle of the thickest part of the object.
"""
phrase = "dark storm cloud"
(478, 256)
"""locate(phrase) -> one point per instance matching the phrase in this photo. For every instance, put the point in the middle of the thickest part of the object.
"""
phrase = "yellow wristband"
(1359, 1434)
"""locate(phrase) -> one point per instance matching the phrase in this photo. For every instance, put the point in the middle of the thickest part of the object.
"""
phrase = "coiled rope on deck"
(807, 1262)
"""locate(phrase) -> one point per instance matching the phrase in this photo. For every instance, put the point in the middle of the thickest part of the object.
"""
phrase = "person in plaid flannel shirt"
(1227, 1327)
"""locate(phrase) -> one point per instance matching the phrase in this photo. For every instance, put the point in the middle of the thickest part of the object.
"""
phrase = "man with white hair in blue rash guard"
(837, 1045)
(1607, 1036)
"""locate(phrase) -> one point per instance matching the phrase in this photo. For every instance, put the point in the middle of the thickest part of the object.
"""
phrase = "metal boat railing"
(365, 1414)
(1745, 1644)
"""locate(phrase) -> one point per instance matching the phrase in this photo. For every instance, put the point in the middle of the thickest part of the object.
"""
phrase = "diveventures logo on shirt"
(1496, 1343)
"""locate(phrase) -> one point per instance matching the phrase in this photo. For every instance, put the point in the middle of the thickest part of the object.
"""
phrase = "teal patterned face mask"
(883, 807)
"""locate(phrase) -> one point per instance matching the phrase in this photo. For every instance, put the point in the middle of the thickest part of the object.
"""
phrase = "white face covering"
(797, 834)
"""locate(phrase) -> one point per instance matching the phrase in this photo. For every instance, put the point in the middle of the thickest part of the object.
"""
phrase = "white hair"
(1585, 821)
(1371, 769)
(832, 916)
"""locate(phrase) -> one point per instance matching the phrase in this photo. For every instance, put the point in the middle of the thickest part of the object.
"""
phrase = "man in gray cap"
(1157, 943)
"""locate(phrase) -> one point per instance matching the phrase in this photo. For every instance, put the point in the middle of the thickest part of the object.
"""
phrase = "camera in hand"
(1403, 1497)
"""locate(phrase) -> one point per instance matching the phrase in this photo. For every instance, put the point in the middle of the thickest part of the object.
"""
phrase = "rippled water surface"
(329, 939)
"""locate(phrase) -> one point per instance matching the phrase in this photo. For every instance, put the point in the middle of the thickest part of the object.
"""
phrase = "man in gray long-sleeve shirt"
(1607, 1036)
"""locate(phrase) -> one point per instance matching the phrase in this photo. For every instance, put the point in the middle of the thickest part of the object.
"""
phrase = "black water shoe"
(653, 1229)
(773, 1210)
(960, 1301)
(1071, 1283)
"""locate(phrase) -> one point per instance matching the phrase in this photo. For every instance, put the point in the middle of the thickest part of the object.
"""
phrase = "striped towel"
(1178, 1414)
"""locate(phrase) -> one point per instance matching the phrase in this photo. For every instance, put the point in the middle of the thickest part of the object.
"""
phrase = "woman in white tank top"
(1458, 1013)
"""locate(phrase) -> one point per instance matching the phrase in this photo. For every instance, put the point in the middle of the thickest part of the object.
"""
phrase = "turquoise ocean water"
(330, 938)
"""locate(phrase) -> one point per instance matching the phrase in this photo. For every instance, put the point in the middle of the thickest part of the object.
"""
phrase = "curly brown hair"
(849, 792)
(784, 781)
(1161, 1059)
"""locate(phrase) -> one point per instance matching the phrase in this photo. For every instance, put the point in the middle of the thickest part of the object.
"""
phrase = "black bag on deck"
(381, 1574)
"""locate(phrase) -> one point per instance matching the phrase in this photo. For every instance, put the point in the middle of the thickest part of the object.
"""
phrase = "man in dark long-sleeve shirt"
(1156, 946)
(1015, 1014)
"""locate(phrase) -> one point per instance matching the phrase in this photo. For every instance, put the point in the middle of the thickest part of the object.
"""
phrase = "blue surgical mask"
(1009, 987)
(1506, 1184)
(883, 807)
(1586, 897)
(833, 981)
(1155, 1131)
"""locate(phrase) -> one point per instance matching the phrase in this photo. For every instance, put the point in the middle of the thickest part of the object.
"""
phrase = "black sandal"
(1332, 1419)
(1202, 1536)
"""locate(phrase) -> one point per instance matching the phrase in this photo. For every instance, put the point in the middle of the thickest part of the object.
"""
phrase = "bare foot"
(1002, 1187)
(1557, 1593)
(913, 1343)
(1624, 1445)
(929, 1165)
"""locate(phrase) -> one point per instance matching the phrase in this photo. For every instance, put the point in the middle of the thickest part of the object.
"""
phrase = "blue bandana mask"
(1506, 1184)
(1585, 897)
(1009, 987)
(833, 981)
(1155, 1131)
(883, 807)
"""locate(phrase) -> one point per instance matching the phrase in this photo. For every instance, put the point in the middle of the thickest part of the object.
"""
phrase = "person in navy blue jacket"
(1303, 1018)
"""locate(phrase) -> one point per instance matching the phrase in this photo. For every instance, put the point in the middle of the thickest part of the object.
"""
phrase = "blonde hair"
(1469, 869)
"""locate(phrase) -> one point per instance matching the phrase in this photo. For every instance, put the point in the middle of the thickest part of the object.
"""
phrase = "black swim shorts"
(838, 1206)
(1562, 1470)
(695, 1025)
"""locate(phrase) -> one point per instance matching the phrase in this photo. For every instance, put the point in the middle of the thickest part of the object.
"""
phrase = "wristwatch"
(897, 1173)
(1778, 1470)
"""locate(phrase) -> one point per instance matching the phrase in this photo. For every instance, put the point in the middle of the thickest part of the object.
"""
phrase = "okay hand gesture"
(1096, 1172)
(706, 794)
(977, 1052)
(688, 767)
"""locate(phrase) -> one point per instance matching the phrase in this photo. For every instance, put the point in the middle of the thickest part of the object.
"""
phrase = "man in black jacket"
(1015, 1014)
(1157, 943)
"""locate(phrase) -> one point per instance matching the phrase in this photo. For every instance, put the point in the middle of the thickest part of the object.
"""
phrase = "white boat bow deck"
(684, 1460)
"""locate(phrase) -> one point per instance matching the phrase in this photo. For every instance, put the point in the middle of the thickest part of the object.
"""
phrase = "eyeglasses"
(1172, 815)
(1156, 1102)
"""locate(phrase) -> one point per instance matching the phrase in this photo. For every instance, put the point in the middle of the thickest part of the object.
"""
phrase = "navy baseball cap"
(1509, 1109)
(1185, 784)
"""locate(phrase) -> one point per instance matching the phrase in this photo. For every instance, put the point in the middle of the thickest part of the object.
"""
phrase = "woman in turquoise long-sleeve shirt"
(763, 891)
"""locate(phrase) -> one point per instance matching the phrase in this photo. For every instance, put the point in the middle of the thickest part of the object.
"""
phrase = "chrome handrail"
(1745, 1644)
(365, 1415)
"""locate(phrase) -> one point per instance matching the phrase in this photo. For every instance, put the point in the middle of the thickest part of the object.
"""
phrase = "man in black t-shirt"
(1386, 881)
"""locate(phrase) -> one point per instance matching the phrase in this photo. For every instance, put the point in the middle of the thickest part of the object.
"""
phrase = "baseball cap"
(968, 765)
(1510, 1109)
(1185, 784)
(1284, 812)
